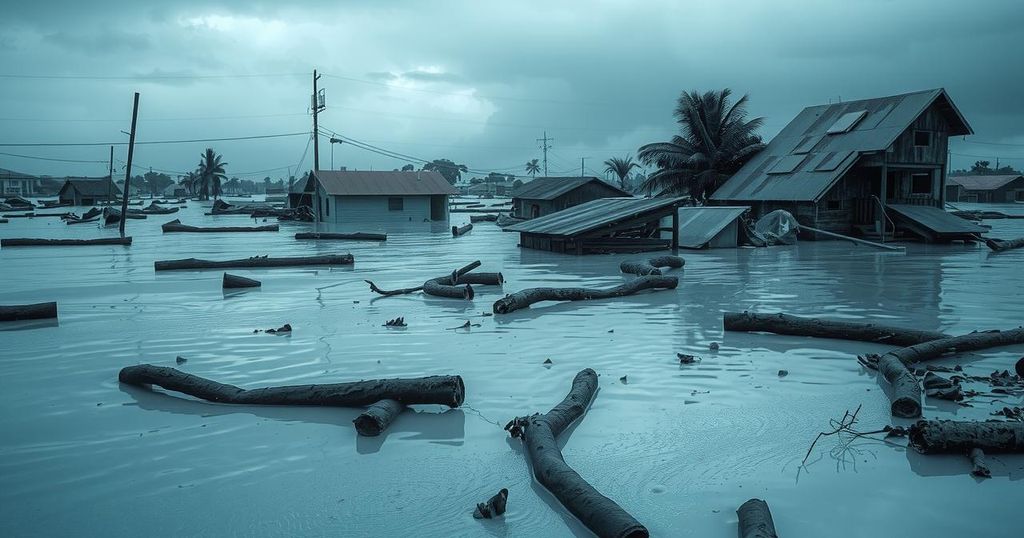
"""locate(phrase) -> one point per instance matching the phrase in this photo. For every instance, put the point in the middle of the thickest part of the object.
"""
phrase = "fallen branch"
(459, 275)
(15, 242)
(781, 323)
(539, 432)
(235, 281)
(1000, 245)
(357, 236)
(377, 417)
(255, 261)
(756, 520)
(28, 311)
(527, 297)
(651, 266)
(461, 230)
(176, 226)
(954, 437)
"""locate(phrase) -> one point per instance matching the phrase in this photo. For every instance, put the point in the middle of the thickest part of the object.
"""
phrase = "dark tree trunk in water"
(448, 285)
(906, 392)
(527, 297)
(954, 437)
(125, 241)
(651, 266)
(822, 328)
(28, 311)
(377, 417)
(256, 261)
(356, 236)
(600, 514)
(235, 281)
(176, 226)
(999, 245)
(457, 230)
(756, 520)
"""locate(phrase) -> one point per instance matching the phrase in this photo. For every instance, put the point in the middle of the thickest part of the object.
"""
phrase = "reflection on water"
(680, 446)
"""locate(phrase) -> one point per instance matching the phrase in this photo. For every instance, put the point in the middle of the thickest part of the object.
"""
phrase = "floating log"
(447, 287)
(235, 281)
(451, 280)
(651, 266)
(979, 467)
(756, 520)
(539, 432)
(112, 216)
(527, 297)
(17, 242)
(960, 437)
(488, 217)
(28, 311)
(356, 236)
(780, 323)
(443, 390)
(377, 417)
(999, 245)
(176, 226)
(461, 230)
(255, 261)
(4, 221)
(18, 215)
(154, 209)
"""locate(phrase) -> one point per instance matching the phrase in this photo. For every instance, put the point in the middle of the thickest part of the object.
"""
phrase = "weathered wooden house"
(345, 197)
(89, 191)
(985, 189)
(859, 167)
(546, 195)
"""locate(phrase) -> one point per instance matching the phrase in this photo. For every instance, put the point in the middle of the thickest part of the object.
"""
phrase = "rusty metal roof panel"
(366, 183)
(593, 215)
(699, 225)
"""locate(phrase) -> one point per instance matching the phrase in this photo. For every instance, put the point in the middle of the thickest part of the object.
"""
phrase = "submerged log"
(823, 328)
(446, 287)
(255, 261)
(176, 226)
(1000, 245)
(18, 242)
(461, 230)
(356, 236)
(956, 437)
(527, 297)
(28, 311)
(756, 520)
(651, 266)
(235, 281)
(4, 221)
(539, 432)
(459, 274)
(489, 217)
(377, 417)
(443, 390)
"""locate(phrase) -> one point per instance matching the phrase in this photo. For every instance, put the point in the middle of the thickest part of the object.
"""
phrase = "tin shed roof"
(549, 188)
(366, 183)
(981, 183)
(593, 215)
(699, 225)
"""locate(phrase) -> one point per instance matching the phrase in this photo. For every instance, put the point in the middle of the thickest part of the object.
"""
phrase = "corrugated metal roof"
(981, 183)
(549, 188)
(366, 183)
(592, 215)
(831, 155)
(935, 219)
(699, 225)
(93, 187)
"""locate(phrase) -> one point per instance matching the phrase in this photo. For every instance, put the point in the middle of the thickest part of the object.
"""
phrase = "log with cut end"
(448, 280)
(755, 520)
(255, 261)
(960, 437)
(1000, 245)
(442, 390)
(356, 236)
(780, 323)
(20, 312)
(539, 433)
(652, 265)
(377, 417)
(235, 281)
(445, 287)
(527, 297)
(460, 230)
(18, 242)
(176, 226)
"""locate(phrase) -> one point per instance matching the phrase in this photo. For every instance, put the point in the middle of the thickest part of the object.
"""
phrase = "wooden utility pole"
(545, 146)
(110, 175)
(583, 160)
(128, 165)
(317, 107)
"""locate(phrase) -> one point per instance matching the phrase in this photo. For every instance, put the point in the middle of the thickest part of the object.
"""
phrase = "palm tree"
(189, 181)
(533, 167)
(716, 140)
(211, 172)
(621, 168)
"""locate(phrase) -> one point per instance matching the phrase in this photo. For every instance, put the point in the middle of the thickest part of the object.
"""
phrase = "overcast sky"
(476, 82)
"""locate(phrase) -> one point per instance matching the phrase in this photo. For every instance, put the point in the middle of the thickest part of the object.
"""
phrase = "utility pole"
(545, 146)
(318, 105)
(111, 174)
(128, 165)
(583, 161)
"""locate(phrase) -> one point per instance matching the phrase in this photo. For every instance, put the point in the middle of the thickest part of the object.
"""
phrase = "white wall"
(353, 209)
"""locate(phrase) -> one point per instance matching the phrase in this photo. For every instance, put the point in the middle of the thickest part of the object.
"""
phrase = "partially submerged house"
(17, 184)
(352, 196)
(89, 191)
(985, 189)
(859, 167)
(605, 225)
(546, 195)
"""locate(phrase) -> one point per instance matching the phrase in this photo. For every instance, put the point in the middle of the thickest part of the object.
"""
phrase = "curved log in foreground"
(235, 281)
(442, 389)
(1000, 245)
(651, 266)
(444, 286)
(255, 261)
(377, 417)
(823, 328)
(17, 242)
(539, 432)
(176, 226)
(357, 236)
(956, 437)
(756, 520)
(28, 311)
(527, 297)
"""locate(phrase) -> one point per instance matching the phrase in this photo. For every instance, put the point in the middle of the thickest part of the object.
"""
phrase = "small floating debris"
(180, 360)
(397, 322)
(713, 346)
(687, 359)
(783, 373)
(495, 506)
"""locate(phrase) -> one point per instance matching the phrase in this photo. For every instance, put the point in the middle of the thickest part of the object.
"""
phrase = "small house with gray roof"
(352, 196)
(546, 195)
(89, 191)
(988, 189)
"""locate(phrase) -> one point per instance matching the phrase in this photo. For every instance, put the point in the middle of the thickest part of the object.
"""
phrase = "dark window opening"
(1020, 196)
(834, 205)
(922, 138)
(396, 204)
(921, 184)
(328, 207)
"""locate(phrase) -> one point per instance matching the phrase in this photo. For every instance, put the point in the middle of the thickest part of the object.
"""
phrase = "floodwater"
(679, 447)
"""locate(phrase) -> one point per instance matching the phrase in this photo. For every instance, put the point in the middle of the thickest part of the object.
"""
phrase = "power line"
(147, 120)
(50, 158)
(152, 142)
(1000, 157)
(144, 77)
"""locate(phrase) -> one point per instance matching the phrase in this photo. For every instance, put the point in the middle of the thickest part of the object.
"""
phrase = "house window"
(922, 138)
(396, 203)
(327, 207)
(921, 184)
(1020, 196)
(834, 205)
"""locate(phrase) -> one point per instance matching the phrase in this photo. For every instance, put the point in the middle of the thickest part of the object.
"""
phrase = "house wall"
(17, 187)
(350, 209)
(903, 151)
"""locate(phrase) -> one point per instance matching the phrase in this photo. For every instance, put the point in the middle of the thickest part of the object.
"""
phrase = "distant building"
(985, 189)
(174, 190)
(89, 191)
(355, 196)
(546, 195)
(17, 184)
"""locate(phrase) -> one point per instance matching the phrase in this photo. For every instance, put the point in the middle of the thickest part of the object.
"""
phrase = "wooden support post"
(128, 165)
(675, 230)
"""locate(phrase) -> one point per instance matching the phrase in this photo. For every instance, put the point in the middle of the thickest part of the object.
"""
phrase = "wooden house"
(859, 167)
(345, 197)
(89, 191)
(1000, 189)
(17, 184)
(546, 195)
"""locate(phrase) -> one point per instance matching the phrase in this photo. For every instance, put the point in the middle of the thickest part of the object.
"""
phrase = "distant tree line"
(983, 168)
